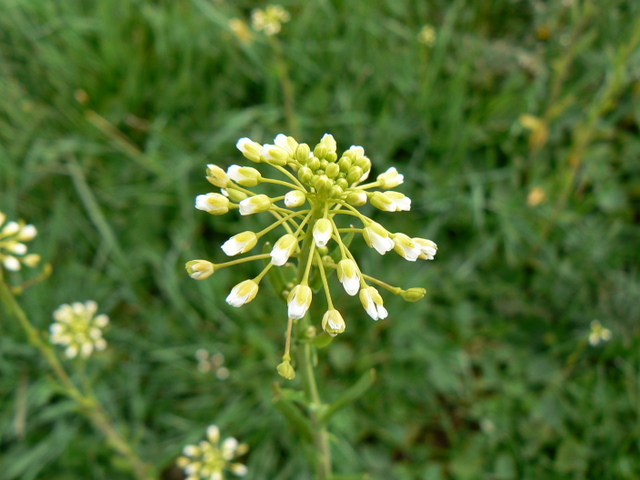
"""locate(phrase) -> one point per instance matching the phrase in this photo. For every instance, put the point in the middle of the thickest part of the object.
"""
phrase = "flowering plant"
(321, 188)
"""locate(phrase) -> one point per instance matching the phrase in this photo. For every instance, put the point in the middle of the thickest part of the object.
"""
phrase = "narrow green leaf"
(357, 390)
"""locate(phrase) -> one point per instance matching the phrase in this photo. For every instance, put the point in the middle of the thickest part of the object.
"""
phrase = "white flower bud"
(283, 249)
(298, 301)
(377, 237)
(249, 149)
(245, 176)
(322, 232)
(406, 247)
(333, 323)
(348, 276)
(240, 243)
(372, 303)
(295, 198)
(255, 204)
(390, 179)
(213, 203)
(242, 293)
(390, 201)
(200, 269)
(428, 249)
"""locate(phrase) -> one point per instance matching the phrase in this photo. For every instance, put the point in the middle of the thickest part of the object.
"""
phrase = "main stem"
(307, 374)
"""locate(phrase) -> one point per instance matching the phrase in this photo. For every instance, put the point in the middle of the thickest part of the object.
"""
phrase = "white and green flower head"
(321, 191)
(270, 19)
(13, 251)
(78, 329)
(211, 459)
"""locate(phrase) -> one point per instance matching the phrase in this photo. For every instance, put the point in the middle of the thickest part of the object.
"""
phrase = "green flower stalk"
(321, 191)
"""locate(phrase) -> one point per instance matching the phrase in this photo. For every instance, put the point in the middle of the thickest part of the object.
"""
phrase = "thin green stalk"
(309, 384)
(87, 402)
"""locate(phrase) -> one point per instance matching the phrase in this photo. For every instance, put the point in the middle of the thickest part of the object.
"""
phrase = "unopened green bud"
(235, 194)
(342, 183)
(331, 157)
(354, 174)
(363, 162)
(345, 164)
(336, 192)
(413, 294)
(305, 174)
(314, 163)
(357, 198)
(333, 170)
(323, 183)
(320, 151)
(329, 142)
(285, 370)
(323, 164)
(302, 153)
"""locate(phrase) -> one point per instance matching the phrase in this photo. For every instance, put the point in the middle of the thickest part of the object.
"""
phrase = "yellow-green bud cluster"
(13, 251)
(320, 187)
(210, 459)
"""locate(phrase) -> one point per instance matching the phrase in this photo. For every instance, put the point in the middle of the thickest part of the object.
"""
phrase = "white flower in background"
(598, 333)
(78, 329)
(13, 252)
(270, 19)
(210, 459)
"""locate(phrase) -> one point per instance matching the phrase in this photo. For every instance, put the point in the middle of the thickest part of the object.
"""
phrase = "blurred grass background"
(517, 132)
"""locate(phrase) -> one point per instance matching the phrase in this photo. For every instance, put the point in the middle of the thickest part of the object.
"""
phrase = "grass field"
(516, 126)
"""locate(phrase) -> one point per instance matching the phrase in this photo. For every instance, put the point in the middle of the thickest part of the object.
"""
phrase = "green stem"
(305, 355)
(87, 402)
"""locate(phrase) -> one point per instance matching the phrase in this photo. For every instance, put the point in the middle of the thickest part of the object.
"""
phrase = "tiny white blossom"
(240, 243)
(372, 303)
(298, 301)
(283, 249)
(322, 232)
(348, 276)
(242, 293)
(377, 237)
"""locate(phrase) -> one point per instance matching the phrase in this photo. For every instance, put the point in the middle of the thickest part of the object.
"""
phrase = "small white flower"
(242, 293)
(11, 263)
(406, 247)
(217, 176)
(372, 303)
(298, 301)
(213, 203)
(377, 237)
(428, 249)
(27, 233)
(283, 249)
(333, 323)
(255, 204)
(240, 243)
(249, 149)
(288, 144)
(390, 179)
(245, 176)
(390, 201)
(348, 276)
(295, 198)
(322, 232)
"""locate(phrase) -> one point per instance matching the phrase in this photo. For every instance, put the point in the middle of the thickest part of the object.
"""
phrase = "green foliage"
(109, 112)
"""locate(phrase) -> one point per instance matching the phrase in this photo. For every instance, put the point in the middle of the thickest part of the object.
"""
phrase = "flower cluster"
(78, 328)
(13, 252)
(598, 333)
(270, 19)
(321, 188)
(210, 459)
(212, 363)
